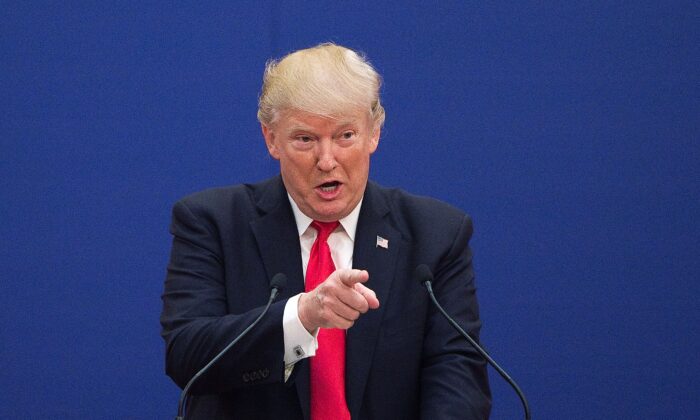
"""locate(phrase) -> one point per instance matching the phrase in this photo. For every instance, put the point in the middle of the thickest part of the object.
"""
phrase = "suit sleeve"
(454, 382)
(196, 323)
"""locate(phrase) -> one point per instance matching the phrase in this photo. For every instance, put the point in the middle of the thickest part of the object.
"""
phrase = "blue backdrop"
(571, 134)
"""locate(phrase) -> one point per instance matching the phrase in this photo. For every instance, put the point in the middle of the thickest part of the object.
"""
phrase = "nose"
(326, 158)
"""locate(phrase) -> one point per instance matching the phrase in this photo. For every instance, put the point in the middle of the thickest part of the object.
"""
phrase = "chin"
(328, 215)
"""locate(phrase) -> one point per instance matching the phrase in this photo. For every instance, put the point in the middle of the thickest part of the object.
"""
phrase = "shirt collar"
(348, 222)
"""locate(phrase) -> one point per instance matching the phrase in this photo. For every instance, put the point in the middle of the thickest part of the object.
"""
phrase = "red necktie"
(328, 366)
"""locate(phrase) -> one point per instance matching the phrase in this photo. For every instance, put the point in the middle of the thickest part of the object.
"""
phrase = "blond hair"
(327, 80)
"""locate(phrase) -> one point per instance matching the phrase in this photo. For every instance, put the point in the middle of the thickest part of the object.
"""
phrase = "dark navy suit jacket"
(403, 360)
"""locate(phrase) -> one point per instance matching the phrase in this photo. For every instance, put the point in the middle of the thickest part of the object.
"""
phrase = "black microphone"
(425, 277)
(277, 283)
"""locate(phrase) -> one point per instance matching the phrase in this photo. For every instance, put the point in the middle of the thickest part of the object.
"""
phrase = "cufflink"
(299, 352)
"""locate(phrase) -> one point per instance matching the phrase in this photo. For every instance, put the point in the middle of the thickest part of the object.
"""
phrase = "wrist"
(302, 311)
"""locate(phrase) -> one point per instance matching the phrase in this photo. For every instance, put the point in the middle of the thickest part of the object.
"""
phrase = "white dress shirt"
(298, 343)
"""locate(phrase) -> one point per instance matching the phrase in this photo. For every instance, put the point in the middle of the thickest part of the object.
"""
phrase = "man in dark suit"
(352, 334)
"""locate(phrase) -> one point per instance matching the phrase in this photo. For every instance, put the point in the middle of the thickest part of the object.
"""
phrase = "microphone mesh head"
(278, 281)
(423, 274)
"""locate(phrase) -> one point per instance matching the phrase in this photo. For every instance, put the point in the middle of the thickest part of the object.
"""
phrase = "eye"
(348, 135)
(302, 142)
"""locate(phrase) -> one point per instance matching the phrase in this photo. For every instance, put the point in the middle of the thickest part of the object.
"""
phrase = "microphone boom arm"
(482, 352)
(277, 283)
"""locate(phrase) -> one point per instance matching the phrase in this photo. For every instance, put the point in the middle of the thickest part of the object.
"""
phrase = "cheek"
(297, 167)
(358, 168)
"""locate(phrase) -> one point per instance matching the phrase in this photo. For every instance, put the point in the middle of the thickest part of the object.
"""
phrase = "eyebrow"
(341, 124)
(300, 127)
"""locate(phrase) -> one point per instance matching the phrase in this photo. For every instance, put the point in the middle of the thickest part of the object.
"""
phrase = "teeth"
(329, 186)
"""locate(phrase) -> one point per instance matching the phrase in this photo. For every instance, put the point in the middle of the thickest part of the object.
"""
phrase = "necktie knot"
(324, 229)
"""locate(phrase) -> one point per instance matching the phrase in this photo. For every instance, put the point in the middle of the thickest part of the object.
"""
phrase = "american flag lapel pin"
(382, 242)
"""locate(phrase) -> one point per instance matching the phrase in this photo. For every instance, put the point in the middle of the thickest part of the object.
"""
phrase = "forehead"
(294, 119)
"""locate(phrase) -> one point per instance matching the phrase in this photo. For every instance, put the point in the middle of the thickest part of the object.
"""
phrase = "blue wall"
(571, 133)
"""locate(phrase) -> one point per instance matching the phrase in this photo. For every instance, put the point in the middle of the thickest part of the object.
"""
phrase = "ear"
(374, 140)
(270, 141)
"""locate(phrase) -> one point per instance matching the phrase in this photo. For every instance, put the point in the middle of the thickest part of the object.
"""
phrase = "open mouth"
(329, 186)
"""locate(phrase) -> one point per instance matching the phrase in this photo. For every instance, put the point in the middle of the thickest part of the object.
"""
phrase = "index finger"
(350, 277)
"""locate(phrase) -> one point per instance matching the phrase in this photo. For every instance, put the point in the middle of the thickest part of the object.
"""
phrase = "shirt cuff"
(298, 343)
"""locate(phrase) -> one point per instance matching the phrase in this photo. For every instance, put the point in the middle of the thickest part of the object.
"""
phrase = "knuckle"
(362, 305)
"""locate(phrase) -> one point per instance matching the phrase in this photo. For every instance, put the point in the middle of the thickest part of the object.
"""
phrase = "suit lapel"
(277, 237)
(380, 262)
(278, 244)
